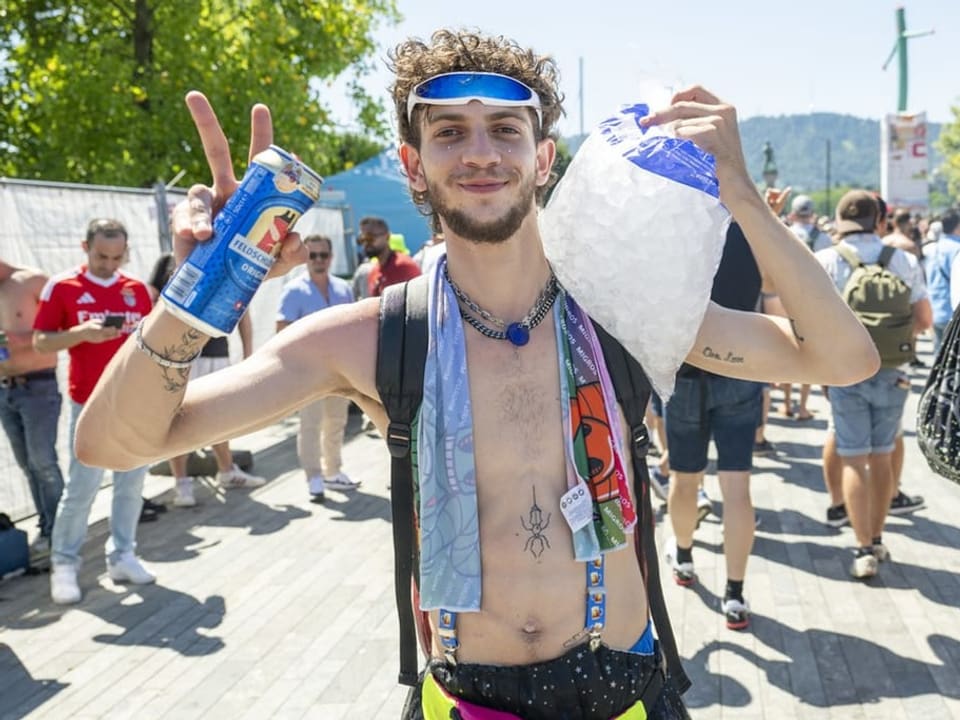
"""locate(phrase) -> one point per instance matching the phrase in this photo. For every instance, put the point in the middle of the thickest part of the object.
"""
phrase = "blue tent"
(377, 187)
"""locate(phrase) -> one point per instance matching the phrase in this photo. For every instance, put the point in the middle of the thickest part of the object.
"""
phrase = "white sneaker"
(881, 553)
(183, 495)
(129, 569)
(237, 478)
(683, 573)
(341, 482)
(316, 485)
(64, 589)
(865, 566)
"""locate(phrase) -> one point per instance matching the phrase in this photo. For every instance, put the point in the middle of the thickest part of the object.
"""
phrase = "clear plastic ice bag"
(635, 231)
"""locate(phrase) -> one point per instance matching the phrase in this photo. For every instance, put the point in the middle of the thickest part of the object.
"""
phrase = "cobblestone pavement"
(268, 606)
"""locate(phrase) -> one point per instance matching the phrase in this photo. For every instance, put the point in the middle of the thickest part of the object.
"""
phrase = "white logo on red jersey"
(86, 299)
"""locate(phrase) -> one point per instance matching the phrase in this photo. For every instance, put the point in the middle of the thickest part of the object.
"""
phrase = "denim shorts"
(656, 404)
(866, 416)
(710, 406)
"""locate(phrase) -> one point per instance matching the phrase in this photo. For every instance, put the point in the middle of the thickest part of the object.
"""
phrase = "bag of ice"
(635, 231)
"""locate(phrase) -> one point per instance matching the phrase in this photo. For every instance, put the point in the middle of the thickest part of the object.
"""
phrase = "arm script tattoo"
(728, 356)
(535, 524)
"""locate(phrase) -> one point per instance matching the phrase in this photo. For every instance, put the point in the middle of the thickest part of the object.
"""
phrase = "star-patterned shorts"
(581, 684)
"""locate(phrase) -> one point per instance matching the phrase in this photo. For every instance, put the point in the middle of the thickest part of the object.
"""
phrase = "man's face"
(105, 254)
(373, 239)
(319, 259)
(480, 166)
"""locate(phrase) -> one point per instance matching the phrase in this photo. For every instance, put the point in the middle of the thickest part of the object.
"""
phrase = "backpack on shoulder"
(881, 301)
(401, 357)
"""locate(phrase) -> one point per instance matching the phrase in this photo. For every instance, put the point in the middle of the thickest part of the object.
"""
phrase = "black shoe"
(148, 515)
(837, 516)
(764, 447)
(154, 506)
(904, 504)
(318, 498)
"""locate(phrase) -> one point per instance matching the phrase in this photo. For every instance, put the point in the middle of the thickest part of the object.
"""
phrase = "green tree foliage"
(93, 91)
(949, 145)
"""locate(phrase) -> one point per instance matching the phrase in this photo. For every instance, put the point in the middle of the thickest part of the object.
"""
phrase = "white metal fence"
(42, 225)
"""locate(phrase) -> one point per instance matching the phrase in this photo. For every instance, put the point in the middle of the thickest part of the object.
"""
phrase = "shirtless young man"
(482, 159)
(30, 400)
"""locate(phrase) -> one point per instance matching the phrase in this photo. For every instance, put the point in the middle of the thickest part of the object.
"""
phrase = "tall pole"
(900, 50)
(902, 57)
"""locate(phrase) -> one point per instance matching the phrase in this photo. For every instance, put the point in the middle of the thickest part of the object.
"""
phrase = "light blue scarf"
(450, 571)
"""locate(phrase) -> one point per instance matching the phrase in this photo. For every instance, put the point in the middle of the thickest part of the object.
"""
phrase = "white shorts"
(206, 365)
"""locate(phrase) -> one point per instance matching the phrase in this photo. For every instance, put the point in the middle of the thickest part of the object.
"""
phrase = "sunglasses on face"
(459, 88)
(319, 256)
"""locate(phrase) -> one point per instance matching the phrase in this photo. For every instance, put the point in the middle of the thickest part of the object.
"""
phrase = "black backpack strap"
(401, 356)
(633, 392)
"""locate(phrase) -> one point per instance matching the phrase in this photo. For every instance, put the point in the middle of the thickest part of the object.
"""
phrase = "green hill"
(800, 149)
(799, 145)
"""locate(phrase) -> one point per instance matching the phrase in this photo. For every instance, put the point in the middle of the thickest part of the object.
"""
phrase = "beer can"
(213, 287)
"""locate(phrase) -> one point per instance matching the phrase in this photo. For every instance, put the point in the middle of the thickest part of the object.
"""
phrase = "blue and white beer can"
(213, 287)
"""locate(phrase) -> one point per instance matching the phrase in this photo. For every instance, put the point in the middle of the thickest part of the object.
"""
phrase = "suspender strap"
(633, 392)
(403, 325)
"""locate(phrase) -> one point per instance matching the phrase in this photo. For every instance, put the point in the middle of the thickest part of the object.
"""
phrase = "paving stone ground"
(268, 606)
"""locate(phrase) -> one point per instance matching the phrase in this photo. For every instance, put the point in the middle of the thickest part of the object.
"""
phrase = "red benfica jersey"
(73, 297)
(398, 268)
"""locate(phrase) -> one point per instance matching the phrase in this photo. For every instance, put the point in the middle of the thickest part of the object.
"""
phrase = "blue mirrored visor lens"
(488, 88)
(456, 86)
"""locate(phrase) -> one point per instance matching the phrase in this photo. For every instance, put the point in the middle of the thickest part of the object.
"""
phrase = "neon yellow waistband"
(437, 704)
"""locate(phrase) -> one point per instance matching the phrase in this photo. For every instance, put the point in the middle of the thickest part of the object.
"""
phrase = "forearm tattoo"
(535, 524)
(728, 356)
(796, 333)
(175, 379)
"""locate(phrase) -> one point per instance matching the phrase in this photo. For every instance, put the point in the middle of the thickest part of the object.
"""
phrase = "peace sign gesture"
(192, 218)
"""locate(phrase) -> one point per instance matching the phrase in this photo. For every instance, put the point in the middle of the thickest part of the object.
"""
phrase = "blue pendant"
(518, 334)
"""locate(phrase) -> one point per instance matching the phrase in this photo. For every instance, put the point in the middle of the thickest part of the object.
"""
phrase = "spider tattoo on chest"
(535, 524)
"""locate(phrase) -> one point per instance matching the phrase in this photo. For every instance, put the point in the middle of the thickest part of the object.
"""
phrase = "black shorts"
(581, 684)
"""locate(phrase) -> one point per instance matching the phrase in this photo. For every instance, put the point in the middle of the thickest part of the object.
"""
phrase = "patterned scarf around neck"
(450, 569)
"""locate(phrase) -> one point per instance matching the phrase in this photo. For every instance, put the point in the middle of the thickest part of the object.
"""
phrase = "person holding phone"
(89, 311)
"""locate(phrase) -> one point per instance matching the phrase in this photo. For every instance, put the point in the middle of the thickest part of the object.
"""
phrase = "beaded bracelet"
(157, 357)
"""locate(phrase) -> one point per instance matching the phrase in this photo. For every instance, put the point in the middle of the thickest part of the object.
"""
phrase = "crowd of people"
(863, 452)
(476, 116)
(89, 311)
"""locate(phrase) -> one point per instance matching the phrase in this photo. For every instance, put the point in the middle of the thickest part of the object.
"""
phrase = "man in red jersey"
(391, 267)
(89, 311)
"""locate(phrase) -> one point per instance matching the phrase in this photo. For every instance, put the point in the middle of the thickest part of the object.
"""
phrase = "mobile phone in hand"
(114, 321)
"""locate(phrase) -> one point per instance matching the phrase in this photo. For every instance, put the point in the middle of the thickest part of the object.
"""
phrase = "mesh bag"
(938, 413)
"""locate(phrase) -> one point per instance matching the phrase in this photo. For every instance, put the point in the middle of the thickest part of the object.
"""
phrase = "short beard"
(492, 232)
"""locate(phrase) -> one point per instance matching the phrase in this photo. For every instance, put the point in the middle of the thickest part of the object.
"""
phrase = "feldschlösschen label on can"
(214, 286)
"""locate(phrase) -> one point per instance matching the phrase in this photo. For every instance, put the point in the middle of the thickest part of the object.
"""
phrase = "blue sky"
(767, 58)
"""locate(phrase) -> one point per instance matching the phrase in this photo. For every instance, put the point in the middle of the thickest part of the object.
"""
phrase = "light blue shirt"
(943, 265)
(868, 247)
(301, 297)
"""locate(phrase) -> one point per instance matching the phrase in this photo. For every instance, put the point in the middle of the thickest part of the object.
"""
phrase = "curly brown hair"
(414, 61)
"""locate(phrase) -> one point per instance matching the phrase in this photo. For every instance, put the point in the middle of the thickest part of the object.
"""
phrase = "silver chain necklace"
(517, 333)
